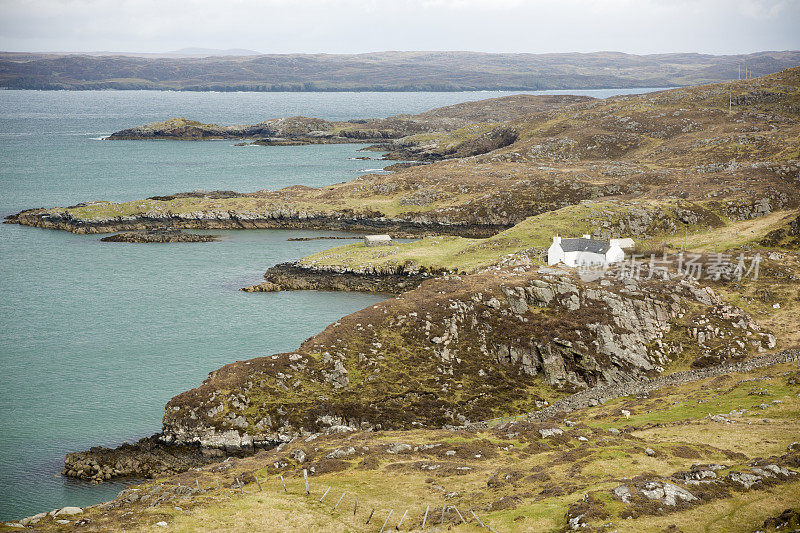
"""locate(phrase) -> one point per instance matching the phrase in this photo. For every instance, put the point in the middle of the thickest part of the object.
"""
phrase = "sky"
(356, 26)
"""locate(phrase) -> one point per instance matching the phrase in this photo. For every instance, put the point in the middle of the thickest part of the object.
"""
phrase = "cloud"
(341, 26)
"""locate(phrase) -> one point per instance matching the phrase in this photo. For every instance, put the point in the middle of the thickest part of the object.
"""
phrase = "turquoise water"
(96, 337)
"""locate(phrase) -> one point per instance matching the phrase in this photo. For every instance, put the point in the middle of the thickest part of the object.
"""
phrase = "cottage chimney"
(587, 236)
(557, 240)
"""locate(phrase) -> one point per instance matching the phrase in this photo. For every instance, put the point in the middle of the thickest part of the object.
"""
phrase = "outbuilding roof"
(584, 245)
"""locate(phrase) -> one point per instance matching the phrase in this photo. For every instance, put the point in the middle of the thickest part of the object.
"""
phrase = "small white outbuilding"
(377, 240)
(625, 244)
(585, 251)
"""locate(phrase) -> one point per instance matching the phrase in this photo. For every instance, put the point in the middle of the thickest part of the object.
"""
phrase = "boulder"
(666, 493)
(398, 448)
(549, 432)
(623, 492)
(746, 479)
(298, 455)
(68, 511)
(341, 452)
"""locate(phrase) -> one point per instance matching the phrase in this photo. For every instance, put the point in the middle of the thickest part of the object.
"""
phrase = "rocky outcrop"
(159, 236)
(269, 218)
(702, 484)
(479, 144)
(146, 458)
(455, 350)
(754, 209)
(604, 393)
(184, 129)
(296, 276)
(291, 130)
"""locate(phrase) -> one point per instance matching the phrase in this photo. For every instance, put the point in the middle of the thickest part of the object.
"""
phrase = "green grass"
(457, 254)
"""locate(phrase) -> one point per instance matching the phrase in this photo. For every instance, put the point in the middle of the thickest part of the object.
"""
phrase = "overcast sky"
(352, 26)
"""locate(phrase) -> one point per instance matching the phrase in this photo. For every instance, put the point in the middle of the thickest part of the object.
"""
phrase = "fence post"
(400, 523)
(257, 482)
(387, 520)
(355, 506)
(478, 519)
(459, 514)
(340, 501)
(284, 483)
(370, 515)
(305, 477)
(426, 516)
(326, 493)
(442, 520)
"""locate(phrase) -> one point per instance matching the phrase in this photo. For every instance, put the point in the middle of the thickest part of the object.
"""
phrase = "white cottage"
(586, 251)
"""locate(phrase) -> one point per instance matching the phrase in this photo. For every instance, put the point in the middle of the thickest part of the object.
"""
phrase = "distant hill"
(207, 52)
(232, 70)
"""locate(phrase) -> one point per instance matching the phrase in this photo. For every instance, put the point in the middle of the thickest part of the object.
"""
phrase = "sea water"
(96, 337)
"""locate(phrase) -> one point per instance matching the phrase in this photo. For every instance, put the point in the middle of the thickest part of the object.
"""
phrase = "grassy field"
(534, 234)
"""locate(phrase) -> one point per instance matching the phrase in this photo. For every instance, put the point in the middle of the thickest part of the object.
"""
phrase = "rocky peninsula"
(159, 236)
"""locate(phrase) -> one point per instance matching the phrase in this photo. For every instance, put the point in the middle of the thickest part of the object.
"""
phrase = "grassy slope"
(460, 254)
(545, 476)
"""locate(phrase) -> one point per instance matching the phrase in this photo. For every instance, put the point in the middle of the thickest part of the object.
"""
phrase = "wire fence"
(388, 517)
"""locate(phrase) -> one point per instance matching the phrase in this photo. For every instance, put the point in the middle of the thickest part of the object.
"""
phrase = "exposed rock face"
(295, 276)
(159, 236)
(495, 336)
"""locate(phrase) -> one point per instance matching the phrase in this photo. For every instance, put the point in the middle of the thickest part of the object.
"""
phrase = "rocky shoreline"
(278, 219)
(294, 276)
(147, 458)
(154, 456)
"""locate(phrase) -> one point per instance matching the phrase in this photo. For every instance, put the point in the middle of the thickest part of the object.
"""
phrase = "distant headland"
(244, 70)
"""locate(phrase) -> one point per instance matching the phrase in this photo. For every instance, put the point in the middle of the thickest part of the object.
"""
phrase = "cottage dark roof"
(584, 245)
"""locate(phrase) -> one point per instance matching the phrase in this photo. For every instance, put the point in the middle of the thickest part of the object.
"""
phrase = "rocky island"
(159, 236)
(491, 386)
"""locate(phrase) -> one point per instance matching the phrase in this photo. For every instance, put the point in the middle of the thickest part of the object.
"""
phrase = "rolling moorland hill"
(715, 154)
(647, 402)
(381, 71)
